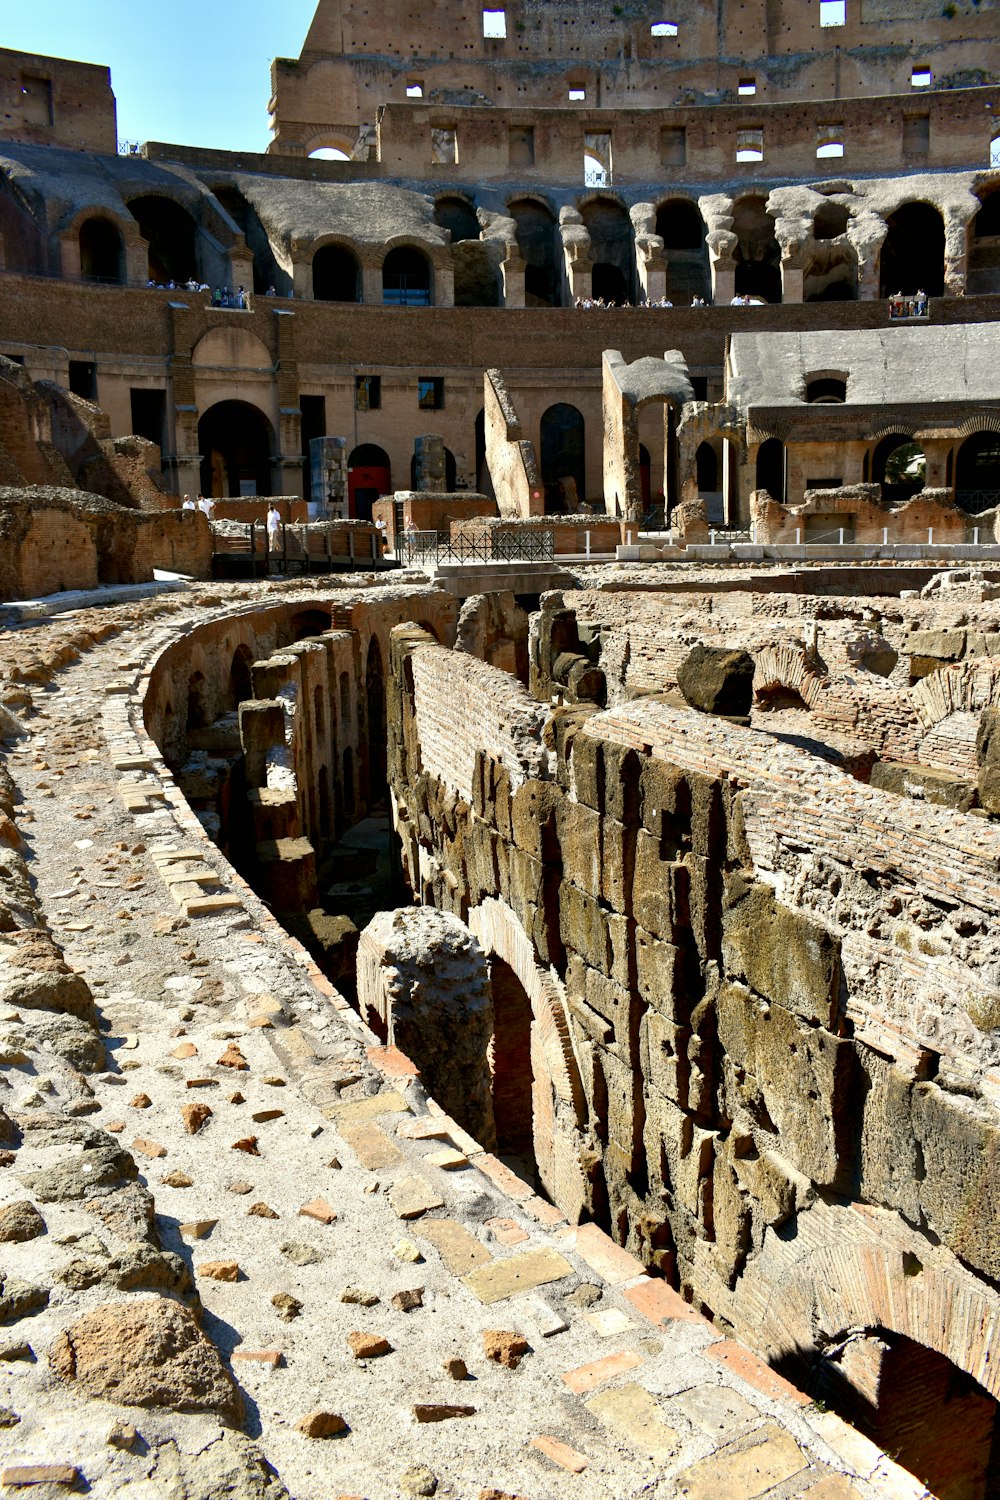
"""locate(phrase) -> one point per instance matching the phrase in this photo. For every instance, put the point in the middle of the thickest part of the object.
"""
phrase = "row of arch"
(912, 256)
(897, 463)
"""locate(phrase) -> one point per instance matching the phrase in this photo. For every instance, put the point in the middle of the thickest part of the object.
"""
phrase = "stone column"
(723, 282)
(444, 284)
(430, 467)
(371, 283)
(792, 276)
(512, 269)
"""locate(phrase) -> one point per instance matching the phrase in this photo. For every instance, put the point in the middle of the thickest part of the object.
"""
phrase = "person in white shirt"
(188, 503)
(273, 525)
(206, 505)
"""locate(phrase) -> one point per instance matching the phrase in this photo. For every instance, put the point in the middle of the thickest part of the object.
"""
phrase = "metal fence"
(426, 548)
(976, 501)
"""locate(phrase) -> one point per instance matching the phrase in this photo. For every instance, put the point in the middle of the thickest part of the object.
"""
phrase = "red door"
(364, 486)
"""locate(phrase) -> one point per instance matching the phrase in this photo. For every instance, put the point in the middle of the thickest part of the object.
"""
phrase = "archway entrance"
(933, 1418)
(977, 472)
(236, 441)
(758, 255)
(536, 240)
(898, 465)
(682, 229)
(612, 249)
(912, 257)
(510, 1065)
(563, 458)
(368, 477)
(102, 251)
(336, 275)
(170, 233)
(406, 278)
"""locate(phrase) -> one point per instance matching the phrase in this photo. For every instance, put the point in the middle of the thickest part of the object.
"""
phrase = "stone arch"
(407, 274)
(783, 670)
(562, 448)
(237, 441)
(102, 249)
(912, 255)
(336, 272)
(233, 348)
(456, 213)
(865, 1285)
(680, 225)
(961, 687)
(559, 1110)
(170, 232)
(538, 242)
(612, 247)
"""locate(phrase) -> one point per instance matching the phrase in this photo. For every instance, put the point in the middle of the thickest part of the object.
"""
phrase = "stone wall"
(55, 539)
(774, 984)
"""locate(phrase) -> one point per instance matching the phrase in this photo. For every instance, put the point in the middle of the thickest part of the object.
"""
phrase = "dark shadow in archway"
(236, 441)
(912, 257)
(563, 458)
(510, 1060)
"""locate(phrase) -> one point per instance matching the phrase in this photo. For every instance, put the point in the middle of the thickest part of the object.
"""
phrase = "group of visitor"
(225, 298)
(205, 504)
(588, 303)
(908, 307)
(177, 286)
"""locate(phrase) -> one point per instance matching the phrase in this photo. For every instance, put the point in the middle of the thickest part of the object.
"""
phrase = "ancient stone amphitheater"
(500, 967)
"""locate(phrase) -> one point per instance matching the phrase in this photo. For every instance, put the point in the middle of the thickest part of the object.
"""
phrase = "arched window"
(912, 257)
(237, 444)
(336, 275)
(898, 465)
(458, 216)
(267, 274)
(406, 278)
(826, 390)
(563, 458)
(102, 252)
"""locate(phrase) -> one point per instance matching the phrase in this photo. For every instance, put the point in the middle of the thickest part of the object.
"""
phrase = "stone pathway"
(400, 1313)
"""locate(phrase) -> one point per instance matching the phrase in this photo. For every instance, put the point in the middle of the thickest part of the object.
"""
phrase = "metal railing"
(294, 548)
(975, 501)
(424, 548)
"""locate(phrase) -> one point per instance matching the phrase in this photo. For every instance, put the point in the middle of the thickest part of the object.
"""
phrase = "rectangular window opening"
(750, 145)
(833, 12)
(663, 28)
(747, 87)
(430, 392)
(916, 135)
(829, 142)
(673, 146)
(414, 90)
(149, 415)
(597, 159)
(444, 146)
(36, 100)
(367, 392)
(495, 23)
(921, 78)
(83, 380)
(578, 95)
(521, 146)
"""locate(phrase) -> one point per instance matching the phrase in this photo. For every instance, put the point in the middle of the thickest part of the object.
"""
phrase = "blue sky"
(191, 71)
